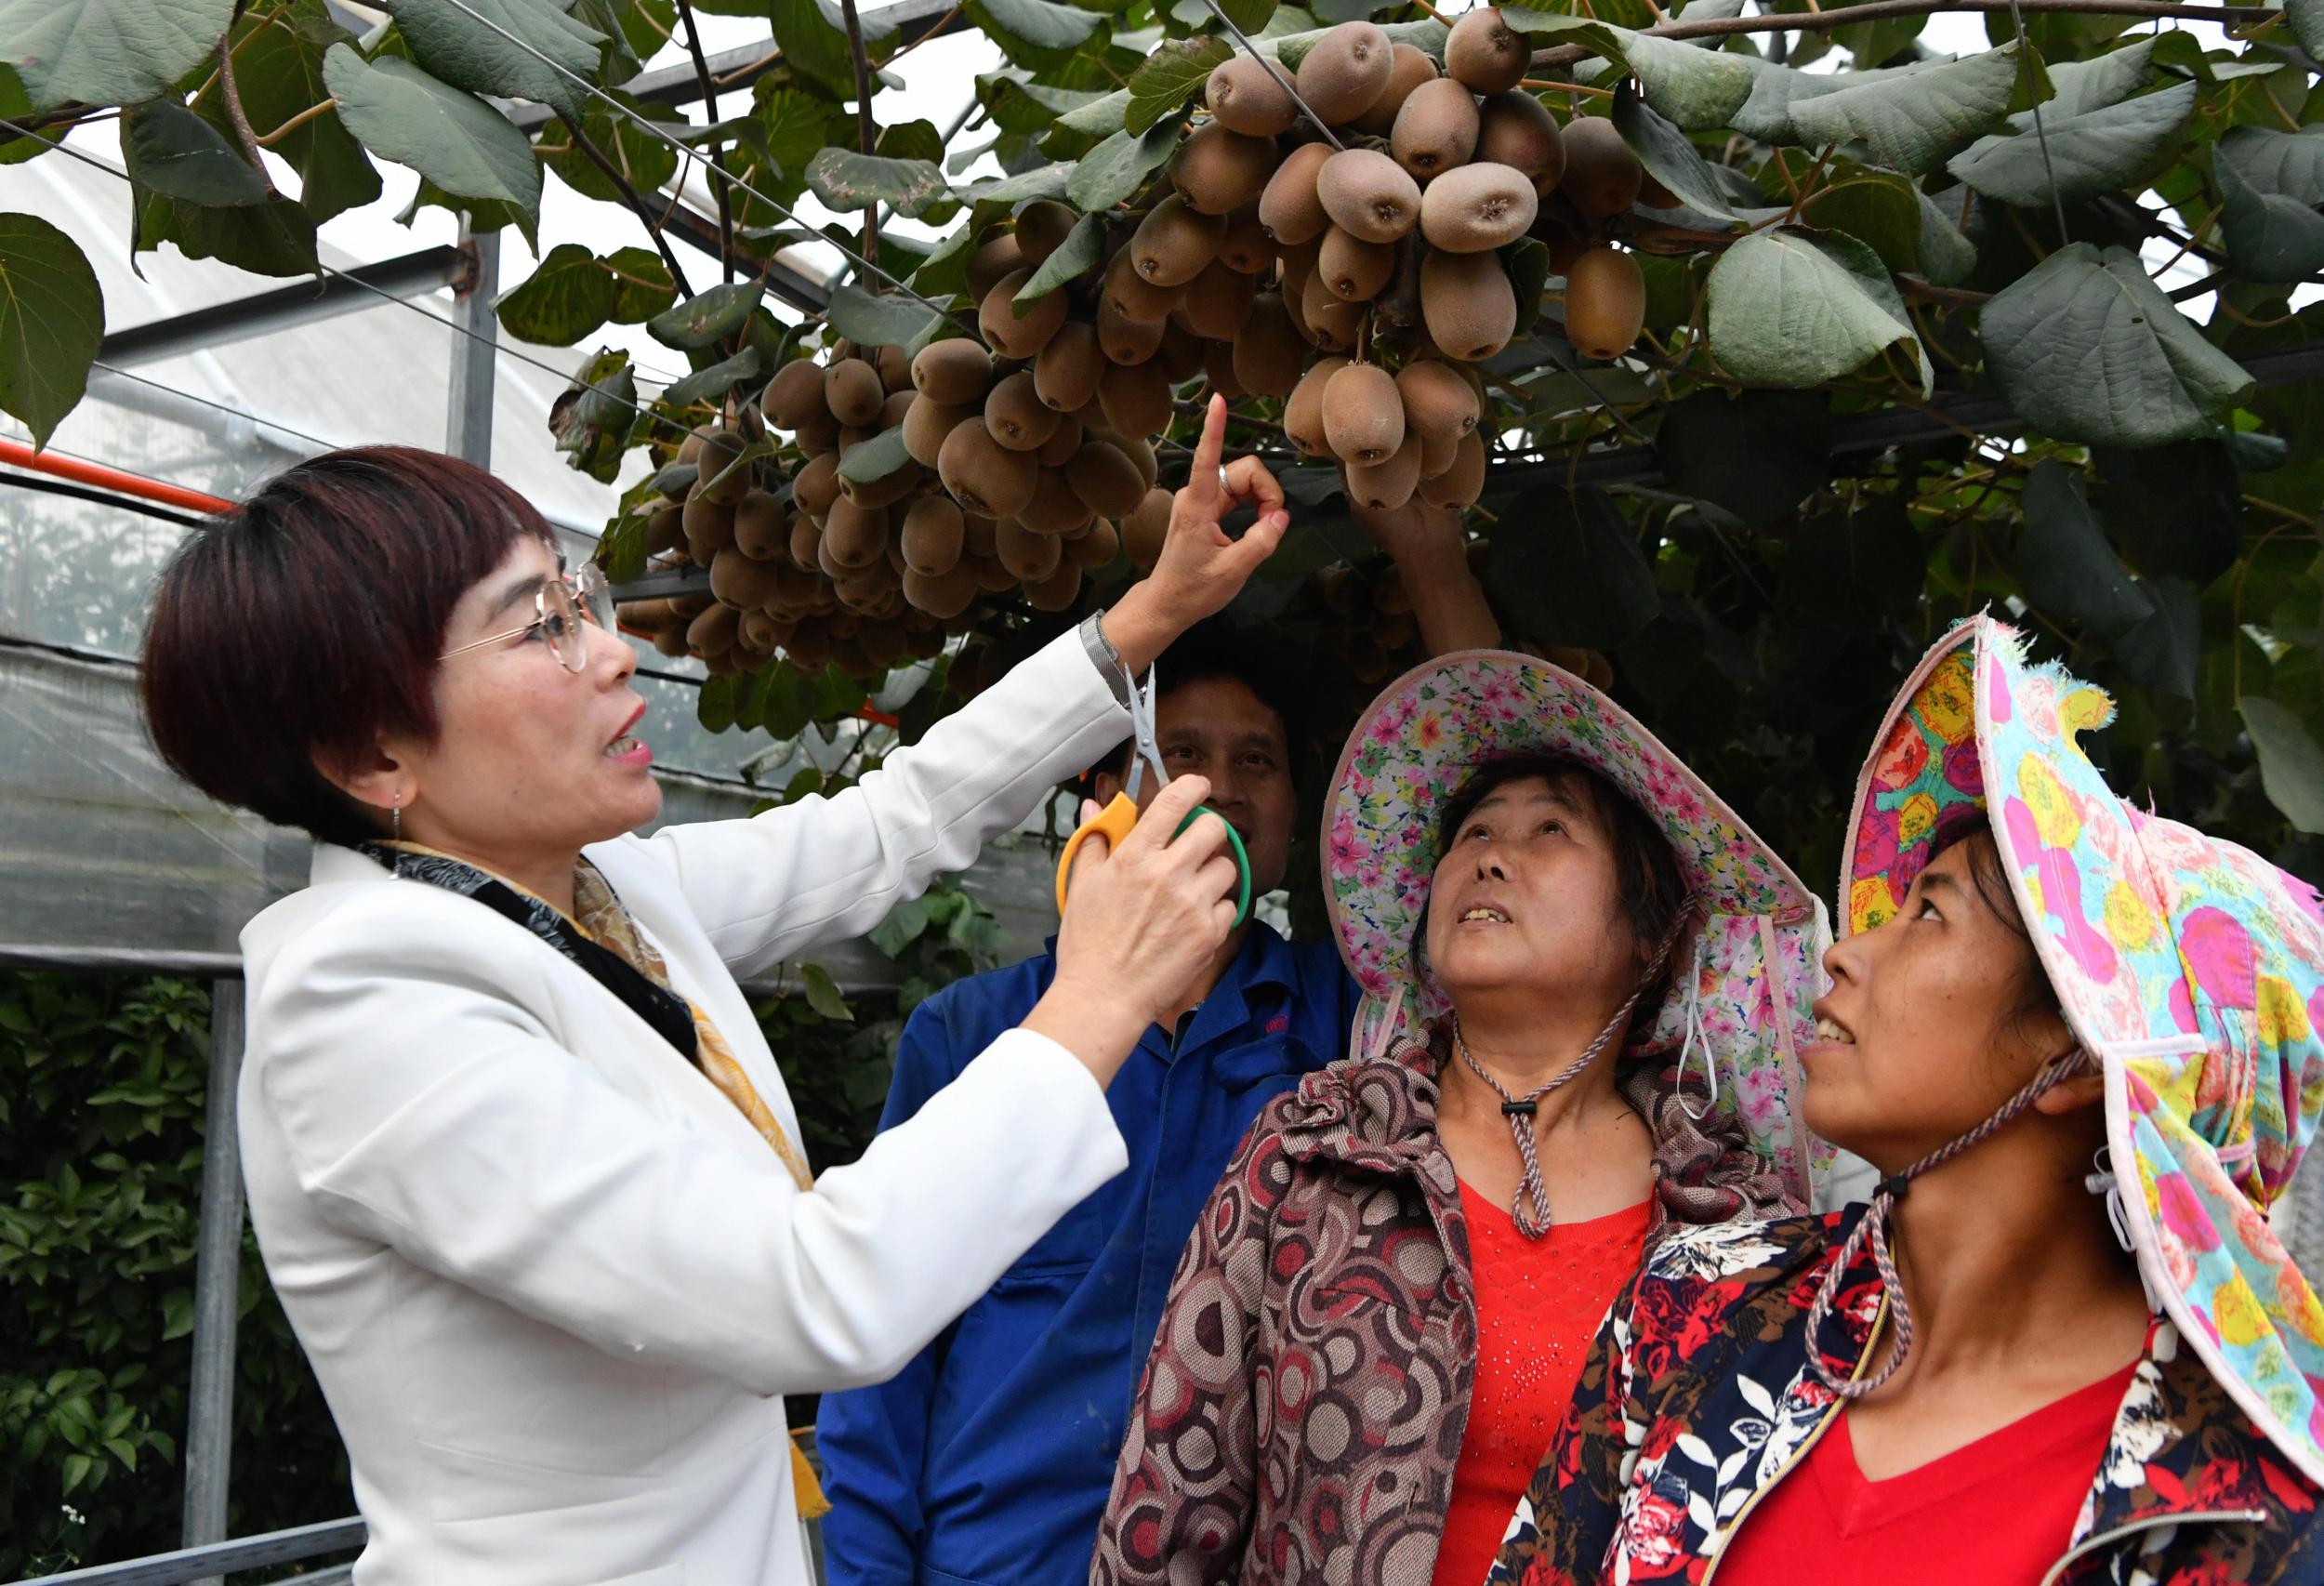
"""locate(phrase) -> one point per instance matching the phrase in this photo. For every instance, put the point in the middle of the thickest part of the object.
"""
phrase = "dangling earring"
(395, 821)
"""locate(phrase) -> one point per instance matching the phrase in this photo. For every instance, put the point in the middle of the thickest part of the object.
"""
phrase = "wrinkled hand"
(1200, 569)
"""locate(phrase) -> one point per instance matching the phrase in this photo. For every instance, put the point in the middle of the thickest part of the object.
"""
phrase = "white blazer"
(552, 1282)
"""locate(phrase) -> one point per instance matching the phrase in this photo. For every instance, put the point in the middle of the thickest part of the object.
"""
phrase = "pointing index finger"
(1207, 450)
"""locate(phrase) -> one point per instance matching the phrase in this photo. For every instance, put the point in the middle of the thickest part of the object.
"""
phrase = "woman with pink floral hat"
(1586, 980)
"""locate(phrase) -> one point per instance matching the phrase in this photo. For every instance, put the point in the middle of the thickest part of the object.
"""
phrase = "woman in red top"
(1379, 1320)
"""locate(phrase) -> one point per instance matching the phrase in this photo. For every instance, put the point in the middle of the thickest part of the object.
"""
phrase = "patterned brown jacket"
(1302, 1410)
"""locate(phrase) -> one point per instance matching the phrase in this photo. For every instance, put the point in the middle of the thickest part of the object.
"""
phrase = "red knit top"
(1539, 1303)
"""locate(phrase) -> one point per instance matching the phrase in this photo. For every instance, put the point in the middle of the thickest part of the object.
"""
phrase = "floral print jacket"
(1301, 1413)
(1697, 1398)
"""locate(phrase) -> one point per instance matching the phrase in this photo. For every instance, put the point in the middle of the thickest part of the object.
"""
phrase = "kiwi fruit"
(1269, 351)
(953, 372)
(1218, 169)
(885, 491)
(1125, 341)
(896, 368)
(1065, 373)
(1027, 555)
(1461, 484)
(741, 580)
(715, 476)
(1389, 483)
(1290, 208)
(1104, 478)
(1653, 195)
(1145, 529)
(1304, 413)
(1438, 401)
(806, 541)
(1218, 369)
(1054, 509)
(818, 431)
(713, 632)
(1354, 270)
(1181, 353)
(1135, 298)
(796, 389)
(1096, 547)
(977, 534)
(709, 527)
(1477, 208)
(665, 530)
(1436, 131)
(1410, 71)
(1485, 53)
(1515, 129)
(1141, 454)
(690, 449)
(1367, 194)
(1566, 232)
(1174, 242)
(1602, 176)
(1244, 96)
(1467, 303)
(1016, 416)
(1018, 333)
(1058, 450)
(927, 425)
(985, 476)
(852, 390)
(994, 258)
(941, 594)
(1135, 398)
(855, 537)
(1332, 319)
(1362, 415)
(1218, 301)
(1437, 451)
(1606, 303)
(1345, 72)
(1245, 248)
(1041, 229)
(1058, 592)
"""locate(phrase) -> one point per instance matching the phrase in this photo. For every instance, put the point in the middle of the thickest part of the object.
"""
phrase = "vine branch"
(596, 156)
(247, 139)
(1874, 10)
(867, 135)
(716, 155)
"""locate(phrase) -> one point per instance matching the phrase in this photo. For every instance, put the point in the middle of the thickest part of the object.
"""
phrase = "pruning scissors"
(1113, 822)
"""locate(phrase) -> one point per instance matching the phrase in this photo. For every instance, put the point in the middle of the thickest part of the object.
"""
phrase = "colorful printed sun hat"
(2191, 968)
(1745, 978)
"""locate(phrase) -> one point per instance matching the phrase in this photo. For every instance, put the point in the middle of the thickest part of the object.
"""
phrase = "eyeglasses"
(561, 606)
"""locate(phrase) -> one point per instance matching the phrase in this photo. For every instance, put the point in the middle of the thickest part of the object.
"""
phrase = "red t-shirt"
(1539, 1306)
(1998, 1510)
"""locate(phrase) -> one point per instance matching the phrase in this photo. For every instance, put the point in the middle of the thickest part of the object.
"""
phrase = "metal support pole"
(217, 1283)
(469, 423)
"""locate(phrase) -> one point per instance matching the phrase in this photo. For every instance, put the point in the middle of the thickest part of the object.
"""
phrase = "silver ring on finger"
(1224, 489)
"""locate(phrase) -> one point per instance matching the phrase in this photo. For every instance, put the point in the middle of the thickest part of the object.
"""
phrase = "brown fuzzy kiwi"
(1388, 484)
(1412, 70)
(759, 631)
(1145, 529)
(1095, 548)
(1653, 195)
(855, 537)
(1135, 398)
(1332, 320)
(741, 580)
(714, 475)
(1174, 242)
(1344, 72)
(1058, 450)
(1218, 370)
(806, 541)
(1058, 592)
(1104, 478)
(1479, 206)
(1125, 341)
(1467, 302)
(1368, 194)
(1436, 131)
(1461, 484)
(1437, 451)
(1352, 269)
(977, 534)
(985, 476)
(943, 594)
(852, 388)
(1245, 248)
(1054, 509)
(1041, 229)
(810, 648)
(690, 449)
(1566, 232)
(885, 491)
(891, 412)
(801, 587)
(896, 368)
(1602, 176)
(1219, 170)
(882, 641)
(671, 640)
(712, 633)
(665, 530)
(1606, 303)
(1289, 209)
(854, 435)
(1515, 129)
(994, 258)
(818, 431)
(1438, 401)
(1362, 415)
(1133, 296)
(1028, 554)
(953, 373)
(1141, 454)
(1219, 300)
(1015, 332)
(1303, 414)
(796, 391)
(1016, 416)
(927, 425)
(1485, 53)
(1181, 353)
(1065, 373)
(1271, 349)
(1246, 97)
(709, 527)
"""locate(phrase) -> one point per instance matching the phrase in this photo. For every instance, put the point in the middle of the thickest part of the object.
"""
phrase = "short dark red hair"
(309, 619)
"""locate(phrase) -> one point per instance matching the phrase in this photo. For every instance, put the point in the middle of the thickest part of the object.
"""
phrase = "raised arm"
(1449, 605)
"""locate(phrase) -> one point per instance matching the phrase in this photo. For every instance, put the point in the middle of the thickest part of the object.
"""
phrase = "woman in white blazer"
(520, 1161)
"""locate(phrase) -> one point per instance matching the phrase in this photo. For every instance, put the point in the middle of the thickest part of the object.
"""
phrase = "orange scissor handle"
(1114, 824)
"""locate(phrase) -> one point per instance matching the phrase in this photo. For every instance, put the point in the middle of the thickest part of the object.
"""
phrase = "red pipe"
(111, 479)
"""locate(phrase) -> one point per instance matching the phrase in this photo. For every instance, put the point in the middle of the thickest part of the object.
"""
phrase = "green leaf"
(278, 66)
(2086, 348)
(867, 461)
(910, 141)
(642, 285)
(2307, 25)
(794, 126)
(171, 151)
(1912, 122)
(2164, 651)
(814, 43)
(466, 52)
(945, 272)
(1665, 152)
(1080, 253)
(1034, 34)
(2269, 184)
(2095, 152)
(2064, 564)
(901, 928)
(877, 321)
(823, 993)
(75, 1471)
(1179, 68)
(52, 318)
(1527, 262)
(1119, 167)
(273, 238)
(2079, 87)
(1248, 15)
(2291, 762)
(647, 161)
(1790, 310)
(1698, 89)
(1569, 572)
(1757, 454)
(848, 181)
(714, 706)
(455, 140)
(621, 550)
(106, 52)
(592, 419)
(568, 296)
(2173, 509)
(708, 317)
(1042, 181)
(1946, 254)
(713, 383)
(1879, 209)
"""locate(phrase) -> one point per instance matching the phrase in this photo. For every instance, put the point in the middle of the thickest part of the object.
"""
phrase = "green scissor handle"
(1114, 823)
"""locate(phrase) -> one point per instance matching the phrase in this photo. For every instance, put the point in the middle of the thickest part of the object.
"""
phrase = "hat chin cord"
(1872, 1228)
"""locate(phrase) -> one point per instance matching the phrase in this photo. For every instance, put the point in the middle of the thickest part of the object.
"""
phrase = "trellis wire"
(1281, 81)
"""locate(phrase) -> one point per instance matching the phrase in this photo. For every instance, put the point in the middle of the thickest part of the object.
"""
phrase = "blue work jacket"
(988, 1460)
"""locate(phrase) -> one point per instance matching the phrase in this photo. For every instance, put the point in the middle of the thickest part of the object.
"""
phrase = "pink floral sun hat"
(1745, 976)
(2191, 969)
